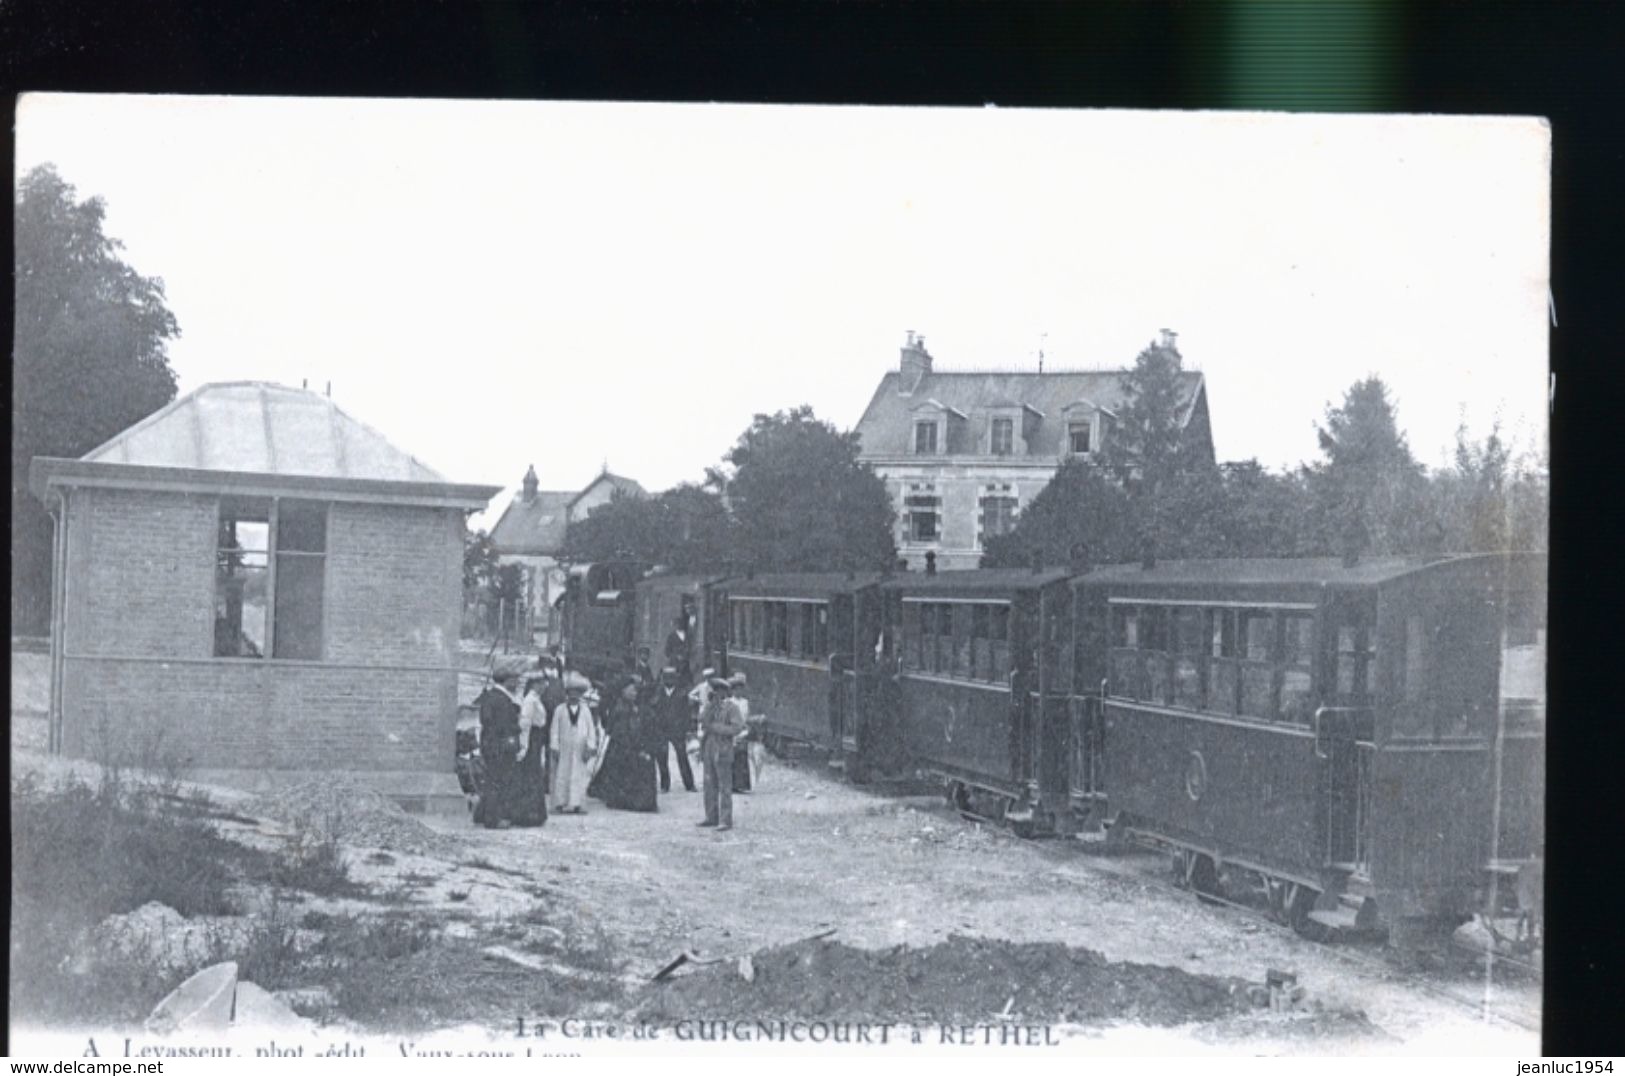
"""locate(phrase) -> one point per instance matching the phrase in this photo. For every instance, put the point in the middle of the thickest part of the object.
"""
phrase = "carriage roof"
(1317, 572)
(801, 584)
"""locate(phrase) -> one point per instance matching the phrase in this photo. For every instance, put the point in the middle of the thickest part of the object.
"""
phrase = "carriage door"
(1051, 711)
(1345, 735)
(843, 695)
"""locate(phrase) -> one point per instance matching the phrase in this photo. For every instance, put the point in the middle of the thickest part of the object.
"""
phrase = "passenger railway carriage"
(976, 661)
(1360, 742)
(1331, 733)
(808, 644)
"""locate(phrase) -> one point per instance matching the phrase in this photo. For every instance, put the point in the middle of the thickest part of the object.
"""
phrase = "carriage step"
(1343, 919)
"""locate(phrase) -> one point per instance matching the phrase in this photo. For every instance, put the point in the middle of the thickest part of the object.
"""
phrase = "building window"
(242, 581)
(925, 438)
(921, 512)
(1004, 432)
(1078, 438)
(269, 579)
(998, 515)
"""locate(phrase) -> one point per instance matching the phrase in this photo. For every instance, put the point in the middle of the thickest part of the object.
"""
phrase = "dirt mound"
(354, 815)
(960, 979)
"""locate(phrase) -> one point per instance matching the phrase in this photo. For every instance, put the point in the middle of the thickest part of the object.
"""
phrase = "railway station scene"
(648, 636)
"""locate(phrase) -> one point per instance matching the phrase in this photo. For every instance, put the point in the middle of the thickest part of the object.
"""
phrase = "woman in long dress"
(530, 781)
(628, 777)
(573, 743)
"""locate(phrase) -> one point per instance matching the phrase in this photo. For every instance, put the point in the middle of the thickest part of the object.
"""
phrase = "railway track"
(1381, 966)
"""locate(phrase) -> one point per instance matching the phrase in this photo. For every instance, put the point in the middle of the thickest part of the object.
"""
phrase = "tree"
(1472, 496)
(479, 559)
(801, 500)
(1369, 494)
(685, 529)
(89, 359)
(1264, 515)
(1079, 509)
(1147, 453)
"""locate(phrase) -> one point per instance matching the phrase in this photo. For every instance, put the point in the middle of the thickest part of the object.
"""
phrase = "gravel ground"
(811, 852)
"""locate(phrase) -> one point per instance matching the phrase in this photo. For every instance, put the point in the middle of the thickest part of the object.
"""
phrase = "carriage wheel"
(857, 771)
(1202, 875)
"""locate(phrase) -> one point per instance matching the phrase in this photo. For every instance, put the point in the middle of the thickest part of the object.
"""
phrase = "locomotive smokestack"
(930, 562)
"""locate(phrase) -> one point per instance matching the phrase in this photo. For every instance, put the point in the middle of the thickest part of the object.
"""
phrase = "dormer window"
(925, 438)
(1004, 434)
(1078, 437)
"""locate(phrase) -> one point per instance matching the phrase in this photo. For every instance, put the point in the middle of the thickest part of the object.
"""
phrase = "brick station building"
(255, 585)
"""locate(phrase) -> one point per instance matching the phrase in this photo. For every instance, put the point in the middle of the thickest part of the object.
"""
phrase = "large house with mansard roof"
(962, 452)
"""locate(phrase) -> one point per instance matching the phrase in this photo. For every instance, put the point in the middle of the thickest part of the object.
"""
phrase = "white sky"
(494, 284)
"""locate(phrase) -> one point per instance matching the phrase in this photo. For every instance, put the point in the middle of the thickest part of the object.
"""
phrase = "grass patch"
(483, 864)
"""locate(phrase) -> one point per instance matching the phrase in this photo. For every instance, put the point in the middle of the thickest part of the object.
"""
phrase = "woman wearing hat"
(573, 743)
(499, 749)
(626, 778)
(530, 778)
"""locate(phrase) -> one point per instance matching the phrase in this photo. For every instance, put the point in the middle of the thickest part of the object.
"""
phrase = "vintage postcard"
(533, 578)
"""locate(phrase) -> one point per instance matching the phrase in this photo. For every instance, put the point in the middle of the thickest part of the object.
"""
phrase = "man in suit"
(677, 647)
(720, 724)
(671, 716)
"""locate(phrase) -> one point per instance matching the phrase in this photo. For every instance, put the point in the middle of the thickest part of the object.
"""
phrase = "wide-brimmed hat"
(719, 684)
(574, 681)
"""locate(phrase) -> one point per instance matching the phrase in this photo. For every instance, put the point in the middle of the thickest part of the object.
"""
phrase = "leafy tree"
(1264, 514)
(479, 559)
(684, 529)
(1080, 508)
(89, 358)
(801, 500)
(1472, 496)
(1369, 494)
(1529, 507)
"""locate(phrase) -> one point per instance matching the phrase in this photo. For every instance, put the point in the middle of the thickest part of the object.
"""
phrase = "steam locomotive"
(1351, 744)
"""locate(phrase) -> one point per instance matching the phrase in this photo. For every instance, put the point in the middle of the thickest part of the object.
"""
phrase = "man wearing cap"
(573, 743)
(671, 718)
(720, 724)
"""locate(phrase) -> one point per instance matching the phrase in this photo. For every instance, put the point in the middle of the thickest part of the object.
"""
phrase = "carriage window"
(1123, 669)
(964, 653)
(1154, 650)
(1297, 666)
(821, 634)
(1224, 674)
(1253, 633)
(981, 618)
(1187, 658)
(1523, 660)
(1356, 663)
(1413, 717)
(999, 628)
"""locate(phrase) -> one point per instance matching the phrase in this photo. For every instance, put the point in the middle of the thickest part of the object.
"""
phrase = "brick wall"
(394, 584)
(142, 573)
(140, 676)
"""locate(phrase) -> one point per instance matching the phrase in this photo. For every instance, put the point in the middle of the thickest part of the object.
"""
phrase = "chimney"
(1170, 340)
(915, 364)
(930, 562)
(530, 484)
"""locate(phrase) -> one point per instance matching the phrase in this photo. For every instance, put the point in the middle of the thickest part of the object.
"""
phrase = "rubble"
(356, 816)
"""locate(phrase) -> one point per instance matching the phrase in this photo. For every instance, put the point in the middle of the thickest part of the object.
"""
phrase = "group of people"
(546, 744)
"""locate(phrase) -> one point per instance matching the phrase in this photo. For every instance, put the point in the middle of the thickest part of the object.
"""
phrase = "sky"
(493, 285)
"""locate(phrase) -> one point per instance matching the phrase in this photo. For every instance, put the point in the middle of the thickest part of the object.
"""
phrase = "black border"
(1550, 59)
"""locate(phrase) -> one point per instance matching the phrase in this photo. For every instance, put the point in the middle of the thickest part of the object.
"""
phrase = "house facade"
(252, 584)
(531, 531)
(962, 452)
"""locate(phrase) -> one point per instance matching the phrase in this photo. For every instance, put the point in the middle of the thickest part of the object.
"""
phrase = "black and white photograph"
(574, 577)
